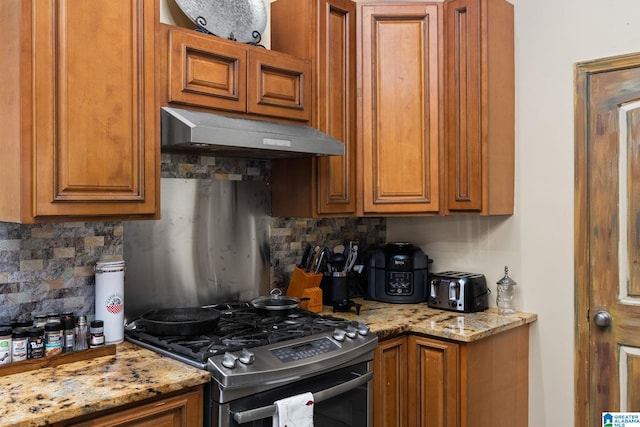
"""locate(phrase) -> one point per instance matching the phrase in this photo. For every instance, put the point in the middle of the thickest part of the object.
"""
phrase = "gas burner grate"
(240, 326)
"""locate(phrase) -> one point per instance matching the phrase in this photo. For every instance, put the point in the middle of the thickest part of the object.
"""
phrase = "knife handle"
(305, 256)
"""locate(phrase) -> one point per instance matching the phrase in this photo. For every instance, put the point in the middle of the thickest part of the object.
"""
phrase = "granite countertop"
(387, 320)
(49, 395)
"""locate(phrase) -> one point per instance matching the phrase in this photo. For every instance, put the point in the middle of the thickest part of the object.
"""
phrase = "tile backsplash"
(49, 267)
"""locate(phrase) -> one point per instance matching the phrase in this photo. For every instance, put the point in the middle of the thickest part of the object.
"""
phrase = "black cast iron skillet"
(183, 321)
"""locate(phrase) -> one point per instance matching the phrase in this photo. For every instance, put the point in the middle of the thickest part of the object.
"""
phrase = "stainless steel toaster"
(458, 291)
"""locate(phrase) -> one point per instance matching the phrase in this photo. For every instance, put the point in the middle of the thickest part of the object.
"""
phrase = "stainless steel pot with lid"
(276, 301)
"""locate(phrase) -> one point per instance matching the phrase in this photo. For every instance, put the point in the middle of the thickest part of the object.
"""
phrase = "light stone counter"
(387, 320)
(48, 395)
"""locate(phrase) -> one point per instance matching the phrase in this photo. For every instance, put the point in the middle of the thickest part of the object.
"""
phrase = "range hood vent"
(207, 133)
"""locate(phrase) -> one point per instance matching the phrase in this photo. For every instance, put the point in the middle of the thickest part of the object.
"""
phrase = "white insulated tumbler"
(110, 299)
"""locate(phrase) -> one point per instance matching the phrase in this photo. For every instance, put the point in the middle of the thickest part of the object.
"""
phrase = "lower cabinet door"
(432, 382)
(183, 410)
(390, 383)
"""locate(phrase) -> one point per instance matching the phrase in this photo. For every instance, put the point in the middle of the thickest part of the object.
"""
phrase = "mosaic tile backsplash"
(45, 268)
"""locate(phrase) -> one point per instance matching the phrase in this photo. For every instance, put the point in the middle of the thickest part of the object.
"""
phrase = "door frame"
(582, 300)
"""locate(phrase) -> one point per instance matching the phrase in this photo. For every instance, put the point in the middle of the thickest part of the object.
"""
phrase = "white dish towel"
(294, 411)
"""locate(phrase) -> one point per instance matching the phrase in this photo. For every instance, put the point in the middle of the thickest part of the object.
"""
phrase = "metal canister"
(110, 299)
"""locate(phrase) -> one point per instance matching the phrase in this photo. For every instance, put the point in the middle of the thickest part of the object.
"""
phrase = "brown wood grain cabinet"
(323, 31)
(79, 117)
(390, 383)
(479, 106)
(399, 69)
(202, 70)
(426, 381)
(434, 123)
(184, 409)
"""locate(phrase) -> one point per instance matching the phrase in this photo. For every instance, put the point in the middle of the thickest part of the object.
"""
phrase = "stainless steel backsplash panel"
(211, 245)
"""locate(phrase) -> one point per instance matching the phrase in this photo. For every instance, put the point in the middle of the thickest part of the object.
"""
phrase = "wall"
(537, 242)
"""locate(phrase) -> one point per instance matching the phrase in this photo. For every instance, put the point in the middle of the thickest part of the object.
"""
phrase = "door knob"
(602, 318)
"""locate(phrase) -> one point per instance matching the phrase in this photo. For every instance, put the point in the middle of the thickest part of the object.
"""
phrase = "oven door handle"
(269, 411)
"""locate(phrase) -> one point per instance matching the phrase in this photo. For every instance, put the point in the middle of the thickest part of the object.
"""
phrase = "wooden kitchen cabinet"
(479, 106)
(390, 383)
(210, 72)
(427, 381)
(323, 31)
(433, 383)
(399, 70)
(182, 410)
(79, 117)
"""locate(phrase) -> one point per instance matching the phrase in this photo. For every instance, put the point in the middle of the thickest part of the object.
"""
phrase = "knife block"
(314, 302)
(301, 280)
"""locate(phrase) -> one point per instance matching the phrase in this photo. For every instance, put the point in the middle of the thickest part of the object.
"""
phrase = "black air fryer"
(398, 274)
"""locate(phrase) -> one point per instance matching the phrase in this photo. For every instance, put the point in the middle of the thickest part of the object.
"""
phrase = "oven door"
(342, 399)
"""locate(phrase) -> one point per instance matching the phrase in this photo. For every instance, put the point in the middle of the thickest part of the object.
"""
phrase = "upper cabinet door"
(278, 86)
(400, 116)
(323, 31)
(94, 125)
(206, 72)
(336, 111)
(479, 106)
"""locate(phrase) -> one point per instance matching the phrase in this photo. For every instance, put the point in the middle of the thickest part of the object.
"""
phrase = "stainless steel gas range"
(256, 358)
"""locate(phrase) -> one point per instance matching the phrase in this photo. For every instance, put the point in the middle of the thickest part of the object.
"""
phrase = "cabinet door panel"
(479, 106)
(337, 106)
(206, 73)
(433, 389)
(323, 31)
(184, 410)
(95, 126)
(390, 384)
(464, 144)
(400, 111)
(279, 88)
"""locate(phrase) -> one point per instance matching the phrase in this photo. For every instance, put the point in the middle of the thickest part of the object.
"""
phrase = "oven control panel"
(304, 350)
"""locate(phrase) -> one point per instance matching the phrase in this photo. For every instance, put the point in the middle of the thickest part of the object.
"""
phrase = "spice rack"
(57, 360)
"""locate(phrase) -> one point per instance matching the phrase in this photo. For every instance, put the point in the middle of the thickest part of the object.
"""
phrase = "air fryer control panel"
(399, 282)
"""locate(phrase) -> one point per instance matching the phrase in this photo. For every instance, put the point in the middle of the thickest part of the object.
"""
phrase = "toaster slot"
(434, 289)
(454, 291)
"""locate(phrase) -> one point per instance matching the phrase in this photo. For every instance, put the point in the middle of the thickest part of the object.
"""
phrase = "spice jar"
(97, 334)
(5, 345)
(39, 320)
(19, 345)
(68, 334)
(53, 338)
(53, 317)
(81, 334)
(35, 349)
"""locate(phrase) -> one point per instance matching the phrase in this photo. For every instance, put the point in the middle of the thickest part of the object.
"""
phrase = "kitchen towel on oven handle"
(294, 411)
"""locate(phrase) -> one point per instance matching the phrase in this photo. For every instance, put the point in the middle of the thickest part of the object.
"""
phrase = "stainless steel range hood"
(207, 133)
